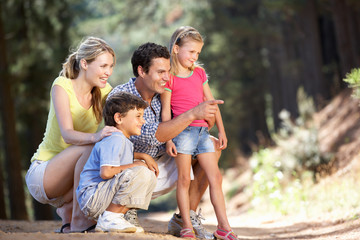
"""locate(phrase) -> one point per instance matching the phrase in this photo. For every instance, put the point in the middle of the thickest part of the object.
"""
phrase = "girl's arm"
(61, 103)
(107, 172)
(166, 116)
(218, 119)
(165, 106)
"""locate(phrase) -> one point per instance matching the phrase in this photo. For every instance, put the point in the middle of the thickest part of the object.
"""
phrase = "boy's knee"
(145, 175)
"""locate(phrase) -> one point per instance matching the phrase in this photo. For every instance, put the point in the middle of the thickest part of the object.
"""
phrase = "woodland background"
(259, 55)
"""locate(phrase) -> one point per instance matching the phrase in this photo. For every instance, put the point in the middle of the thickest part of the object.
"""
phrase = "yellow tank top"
(83, 120)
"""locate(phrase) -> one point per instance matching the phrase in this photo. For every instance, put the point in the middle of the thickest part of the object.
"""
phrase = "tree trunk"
(11, 143)
(344, 31)
(284, 72)
(3, 214)
(310, 53)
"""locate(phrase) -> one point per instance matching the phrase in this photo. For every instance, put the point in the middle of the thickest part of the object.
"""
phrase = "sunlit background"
(263, 57)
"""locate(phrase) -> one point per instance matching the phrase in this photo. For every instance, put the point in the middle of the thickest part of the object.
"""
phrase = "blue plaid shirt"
(146, 142)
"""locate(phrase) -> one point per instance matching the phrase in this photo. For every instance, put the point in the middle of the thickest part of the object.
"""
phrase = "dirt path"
(156, 225)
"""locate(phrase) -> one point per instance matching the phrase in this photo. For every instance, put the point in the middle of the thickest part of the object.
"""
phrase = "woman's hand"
(171, 148)
(106, 131)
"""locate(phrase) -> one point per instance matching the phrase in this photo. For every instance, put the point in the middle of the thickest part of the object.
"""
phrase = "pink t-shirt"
(187, 93)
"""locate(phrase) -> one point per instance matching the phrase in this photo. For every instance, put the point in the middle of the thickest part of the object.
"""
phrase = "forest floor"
(331, 213)
(247, 227)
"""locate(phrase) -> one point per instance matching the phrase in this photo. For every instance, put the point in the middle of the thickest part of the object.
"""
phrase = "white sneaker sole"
(123, 230)
(139, 230)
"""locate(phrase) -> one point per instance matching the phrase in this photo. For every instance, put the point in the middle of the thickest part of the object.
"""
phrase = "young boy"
(112, 182)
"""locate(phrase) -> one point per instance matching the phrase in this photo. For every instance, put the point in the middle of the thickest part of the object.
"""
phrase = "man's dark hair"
(121, 103)
(145, 54)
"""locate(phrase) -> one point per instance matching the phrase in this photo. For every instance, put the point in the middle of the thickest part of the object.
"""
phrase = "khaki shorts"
(35, 182)
(131, 188)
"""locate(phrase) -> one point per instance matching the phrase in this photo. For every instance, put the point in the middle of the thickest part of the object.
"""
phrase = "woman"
(77, 97)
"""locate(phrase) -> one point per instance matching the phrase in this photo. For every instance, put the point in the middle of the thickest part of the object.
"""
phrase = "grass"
(334, 197)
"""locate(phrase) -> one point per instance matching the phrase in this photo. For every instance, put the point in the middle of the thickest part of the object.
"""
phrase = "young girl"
(75, 113)
(187, 88)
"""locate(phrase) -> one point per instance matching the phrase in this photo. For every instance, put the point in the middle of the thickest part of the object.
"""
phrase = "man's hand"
(206, 110)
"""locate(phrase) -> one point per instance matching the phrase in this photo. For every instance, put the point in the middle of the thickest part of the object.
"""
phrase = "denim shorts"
(35, 182)
(194, 141)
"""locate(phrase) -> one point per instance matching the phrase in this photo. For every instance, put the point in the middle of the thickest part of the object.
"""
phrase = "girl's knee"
(216, 178)
(184, 181)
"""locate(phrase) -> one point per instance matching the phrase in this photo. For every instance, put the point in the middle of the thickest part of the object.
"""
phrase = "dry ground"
(246, 226)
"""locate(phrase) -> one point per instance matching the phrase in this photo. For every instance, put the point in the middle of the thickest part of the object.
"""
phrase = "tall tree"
(12, 148)
(38, 42)
(233, 53)
(314, 45)
(347, 28)
(295, 54)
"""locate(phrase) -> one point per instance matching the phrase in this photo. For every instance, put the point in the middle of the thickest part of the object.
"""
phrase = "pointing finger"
(213, 102)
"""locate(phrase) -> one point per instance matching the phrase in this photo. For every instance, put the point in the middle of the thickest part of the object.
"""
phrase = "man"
(151, 67)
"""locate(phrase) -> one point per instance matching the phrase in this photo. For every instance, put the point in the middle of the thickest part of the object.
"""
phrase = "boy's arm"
(150, 162)
(218, 119)
(107, 172)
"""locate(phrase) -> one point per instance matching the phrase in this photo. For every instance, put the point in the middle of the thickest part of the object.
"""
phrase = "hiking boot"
(114, 222)
(131, 217)
(175, 225)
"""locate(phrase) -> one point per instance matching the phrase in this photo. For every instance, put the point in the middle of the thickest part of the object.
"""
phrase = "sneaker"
(114, 222)
(131, 217)
(225, 235)
(175, 225)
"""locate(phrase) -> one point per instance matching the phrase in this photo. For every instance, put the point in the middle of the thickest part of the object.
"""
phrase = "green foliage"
(353, 79)
(129, 23)
(280, 172)
(271, 187)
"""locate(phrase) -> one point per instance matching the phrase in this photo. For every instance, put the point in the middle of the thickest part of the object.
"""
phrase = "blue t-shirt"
(115, 150)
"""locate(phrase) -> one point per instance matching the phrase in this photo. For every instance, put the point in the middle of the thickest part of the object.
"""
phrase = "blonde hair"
(88, 50)
(179, 37)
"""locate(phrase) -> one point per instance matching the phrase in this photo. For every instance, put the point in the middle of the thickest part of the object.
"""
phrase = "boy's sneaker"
(225, 235)
(114, 222)
(175, 225)
(131, 217)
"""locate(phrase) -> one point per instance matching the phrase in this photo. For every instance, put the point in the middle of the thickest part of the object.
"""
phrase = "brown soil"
(246, 228)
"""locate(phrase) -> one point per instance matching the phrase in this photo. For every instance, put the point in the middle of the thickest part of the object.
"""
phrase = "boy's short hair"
(145, 54)
(122, 103)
